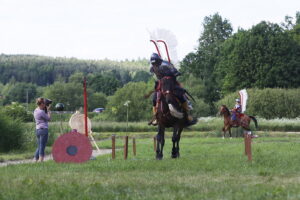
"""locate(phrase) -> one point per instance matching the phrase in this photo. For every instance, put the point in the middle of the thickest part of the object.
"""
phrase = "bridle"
(224, 110)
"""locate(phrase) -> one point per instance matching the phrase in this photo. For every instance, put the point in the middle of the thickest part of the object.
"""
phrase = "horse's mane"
(227, 110)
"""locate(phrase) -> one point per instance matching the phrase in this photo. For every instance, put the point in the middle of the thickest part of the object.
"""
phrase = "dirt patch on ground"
(49, 157)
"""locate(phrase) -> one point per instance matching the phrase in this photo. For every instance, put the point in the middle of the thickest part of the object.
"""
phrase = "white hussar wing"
(244, 97)
(170, 39)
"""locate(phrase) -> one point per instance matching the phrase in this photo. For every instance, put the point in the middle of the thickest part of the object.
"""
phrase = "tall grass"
(205, 124)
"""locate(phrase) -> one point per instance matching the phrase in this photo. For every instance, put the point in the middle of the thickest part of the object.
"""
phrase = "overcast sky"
(117, 29)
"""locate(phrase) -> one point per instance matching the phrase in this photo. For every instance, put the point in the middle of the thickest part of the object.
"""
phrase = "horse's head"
(167, 85)
(224, 110)
(167, 88)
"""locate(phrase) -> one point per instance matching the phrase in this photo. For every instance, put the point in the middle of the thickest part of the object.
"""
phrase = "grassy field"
(209, 168)
(208, 126)
(54, 133)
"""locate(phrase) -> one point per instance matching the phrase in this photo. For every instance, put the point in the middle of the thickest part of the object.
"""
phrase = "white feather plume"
(171, 41)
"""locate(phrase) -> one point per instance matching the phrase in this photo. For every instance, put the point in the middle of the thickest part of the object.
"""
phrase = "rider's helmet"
(155, 59)
(237, 100)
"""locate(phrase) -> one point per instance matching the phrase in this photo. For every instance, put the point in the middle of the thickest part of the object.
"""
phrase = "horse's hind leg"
(160, 137)
(229, 130)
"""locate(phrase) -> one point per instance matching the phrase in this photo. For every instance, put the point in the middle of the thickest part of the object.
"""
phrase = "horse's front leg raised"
(160, 137)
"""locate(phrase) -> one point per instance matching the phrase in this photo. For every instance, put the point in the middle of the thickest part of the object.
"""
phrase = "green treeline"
(25, 77)
(43, 71)
(264, 56)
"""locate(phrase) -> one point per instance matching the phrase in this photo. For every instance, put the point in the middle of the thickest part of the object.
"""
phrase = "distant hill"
(43, 70)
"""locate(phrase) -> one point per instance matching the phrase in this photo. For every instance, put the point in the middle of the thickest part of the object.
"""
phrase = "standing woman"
(41, 115)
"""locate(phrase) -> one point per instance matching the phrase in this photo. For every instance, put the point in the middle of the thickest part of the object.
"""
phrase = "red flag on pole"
(85, 107)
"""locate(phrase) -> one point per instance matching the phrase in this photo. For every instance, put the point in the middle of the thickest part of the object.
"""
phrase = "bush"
(275, 103)
(268, 103)
(139, 108)
(11, 137)
(17, 111)
(200, 109)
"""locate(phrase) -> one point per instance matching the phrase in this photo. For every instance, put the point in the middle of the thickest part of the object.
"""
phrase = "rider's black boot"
(190, 119)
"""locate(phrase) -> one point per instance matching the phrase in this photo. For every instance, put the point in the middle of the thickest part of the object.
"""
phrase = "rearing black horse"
(169, 114)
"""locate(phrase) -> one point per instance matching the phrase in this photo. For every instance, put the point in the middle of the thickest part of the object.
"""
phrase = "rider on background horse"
(163, 69)
(236, 111)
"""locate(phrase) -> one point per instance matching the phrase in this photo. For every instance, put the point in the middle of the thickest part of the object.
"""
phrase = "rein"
(164, 93)
(160, 86)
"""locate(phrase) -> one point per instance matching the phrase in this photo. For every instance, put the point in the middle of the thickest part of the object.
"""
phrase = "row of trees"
(43, 71)
(100, 85)
(266, 55)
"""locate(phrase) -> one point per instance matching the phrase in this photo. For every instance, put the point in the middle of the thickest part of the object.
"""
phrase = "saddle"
(238, 121)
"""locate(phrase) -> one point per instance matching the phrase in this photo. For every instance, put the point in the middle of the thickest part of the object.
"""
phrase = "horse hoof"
(230, 137)
(175, 155)
(159, 157)
(223, 137)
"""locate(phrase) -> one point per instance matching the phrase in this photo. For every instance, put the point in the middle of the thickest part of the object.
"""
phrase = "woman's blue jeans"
(42, 138)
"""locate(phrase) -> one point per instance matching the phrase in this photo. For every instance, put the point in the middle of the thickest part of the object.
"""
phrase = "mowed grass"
(209, 168)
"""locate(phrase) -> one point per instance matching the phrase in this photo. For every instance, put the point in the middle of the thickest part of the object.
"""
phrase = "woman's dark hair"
(40, 101)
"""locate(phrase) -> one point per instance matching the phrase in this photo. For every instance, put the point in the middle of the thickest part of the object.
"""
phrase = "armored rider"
(162, 69)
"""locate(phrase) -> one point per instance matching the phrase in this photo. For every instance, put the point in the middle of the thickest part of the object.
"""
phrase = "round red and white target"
(72, 147)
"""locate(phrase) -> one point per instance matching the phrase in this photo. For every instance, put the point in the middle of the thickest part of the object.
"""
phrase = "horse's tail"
(255, 121)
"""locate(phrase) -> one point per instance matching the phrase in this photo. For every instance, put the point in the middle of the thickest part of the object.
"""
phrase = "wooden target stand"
(75, 146)
(77, 123)
(247, 142)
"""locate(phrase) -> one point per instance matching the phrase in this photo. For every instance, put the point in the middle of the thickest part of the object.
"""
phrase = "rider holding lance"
(163, 69)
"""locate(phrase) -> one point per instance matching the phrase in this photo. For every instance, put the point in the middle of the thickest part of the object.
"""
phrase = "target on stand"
(77, 122)
(72, 147)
